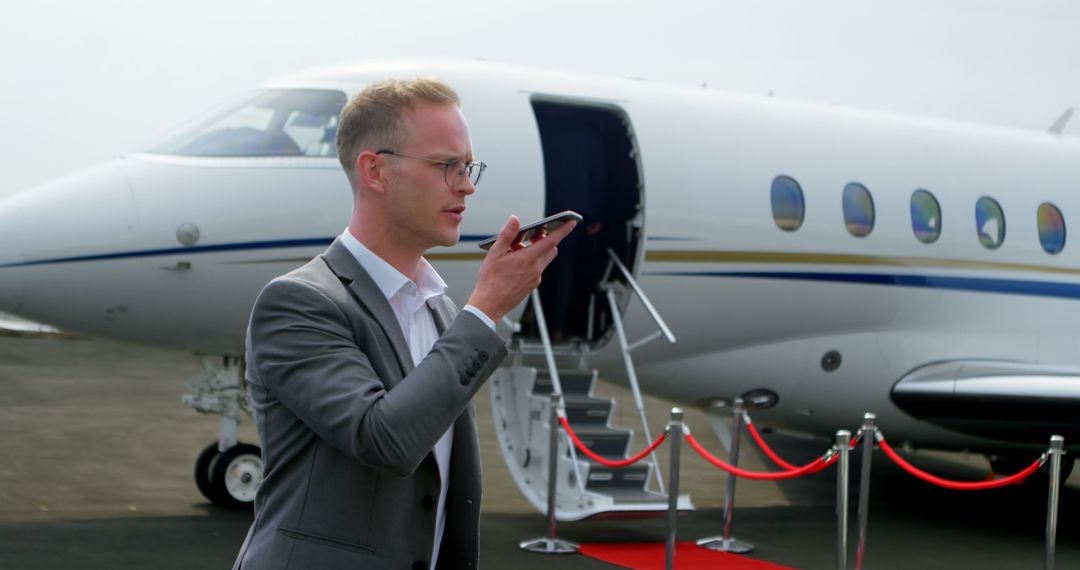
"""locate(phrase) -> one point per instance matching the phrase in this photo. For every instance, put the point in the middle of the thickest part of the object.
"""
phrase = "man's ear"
(372, 171)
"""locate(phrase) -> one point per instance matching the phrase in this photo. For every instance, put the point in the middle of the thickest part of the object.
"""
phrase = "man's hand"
(512, 270)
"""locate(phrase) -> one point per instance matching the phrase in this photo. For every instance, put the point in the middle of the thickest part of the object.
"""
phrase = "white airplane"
(819, 262)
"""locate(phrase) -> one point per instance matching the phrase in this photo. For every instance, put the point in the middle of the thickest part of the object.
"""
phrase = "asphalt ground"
(97, 452)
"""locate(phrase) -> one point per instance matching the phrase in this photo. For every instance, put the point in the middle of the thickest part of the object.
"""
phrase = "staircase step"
(572, 383)
(586, 410)
(625, 496)
(604, 479)
(609, 443)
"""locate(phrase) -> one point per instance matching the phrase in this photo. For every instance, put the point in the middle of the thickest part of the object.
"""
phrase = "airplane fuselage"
(171, 250)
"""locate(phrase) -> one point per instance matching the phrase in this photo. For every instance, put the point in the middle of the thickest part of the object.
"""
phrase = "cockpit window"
(278, 122)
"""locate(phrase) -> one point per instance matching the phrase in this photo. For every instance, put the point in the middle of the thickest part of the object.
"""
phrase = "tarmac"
(97, 452)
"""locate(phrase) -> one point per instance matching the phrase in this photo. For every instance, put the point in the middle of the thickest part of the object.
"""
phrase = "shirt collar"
(428, 286)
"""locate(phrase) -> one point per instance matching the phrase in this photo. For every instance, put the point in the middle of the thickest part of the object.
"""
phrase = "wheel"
(235, 476)
(204, 465)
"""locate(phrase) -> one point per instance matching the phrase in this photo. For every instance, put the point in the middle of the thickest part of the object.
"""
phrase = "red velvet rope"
(608, 462)
(957, 485)
(765, 448)
(812, 467)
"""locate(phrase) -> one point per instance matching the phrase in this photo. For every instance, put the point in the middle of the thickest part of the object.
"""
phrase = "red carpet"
(687, 557)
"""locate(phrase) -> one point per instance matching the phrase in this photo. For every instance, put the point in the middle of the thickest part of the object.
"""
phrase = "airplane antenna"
(1058, 128)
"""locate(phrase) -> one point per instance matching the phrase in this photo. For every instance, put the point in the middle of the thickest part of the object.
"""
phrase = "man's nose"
(466, 186)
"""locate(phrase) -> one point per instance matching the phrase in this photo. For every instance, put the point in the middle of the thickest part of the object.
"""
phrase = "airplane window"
(788, 207)
(858, 210)
(989, 222)
(925, 216)
(278, 122)
(1051, 228)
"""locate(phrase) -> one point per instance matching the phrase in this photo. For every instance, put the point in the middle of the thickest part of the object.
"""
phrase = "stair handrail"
(664, 330)
(631, 376)
(556, 385)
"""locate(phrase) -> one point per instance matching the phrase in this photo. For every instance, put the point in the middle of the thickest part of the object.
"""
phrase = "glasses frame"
(466, 171)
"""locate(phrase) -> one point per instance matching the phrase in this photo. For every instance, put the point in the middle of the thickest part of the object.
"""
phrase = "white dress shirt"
(412, 302)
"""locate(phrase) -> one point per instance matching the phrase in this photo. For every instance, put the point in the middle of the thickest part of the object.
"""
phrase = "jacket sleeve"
(306, 353)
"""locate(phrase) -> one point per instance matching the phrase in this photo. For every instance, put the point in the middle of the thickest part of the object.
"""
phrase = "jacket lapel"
(364, 290)
(444, 313)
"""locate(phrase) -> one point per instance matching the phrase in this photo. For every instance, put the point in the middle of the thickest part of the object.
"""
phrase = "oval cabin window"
(788, 207)
(925, 216)
(989, 222)
(1051, 228)
(858, 210)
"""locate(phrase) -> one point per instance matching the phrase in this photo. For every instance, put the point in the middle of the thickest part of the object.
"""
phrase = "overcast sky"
(89, 80)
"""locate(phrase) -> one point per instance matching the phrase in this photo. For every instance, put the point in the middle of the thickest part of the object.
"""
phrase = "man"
(362, 372)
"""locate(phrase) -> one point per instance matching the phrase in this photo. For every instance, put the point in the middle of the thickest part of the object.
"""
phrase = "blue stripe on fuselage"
(241, 246)
(975, 284)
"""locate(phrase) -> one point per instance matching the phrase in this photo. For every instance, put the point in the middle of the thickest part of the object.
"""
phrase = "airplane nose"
(47, 230)
(12, 255)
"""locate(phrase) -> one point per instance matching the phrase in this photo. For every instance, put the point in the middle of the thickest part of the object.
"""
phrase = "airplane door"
(590, 166)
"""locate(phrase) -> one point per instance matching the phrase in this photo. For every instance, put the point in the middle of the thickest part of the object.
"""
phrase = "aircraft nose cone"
(48, 229)
(13, 235)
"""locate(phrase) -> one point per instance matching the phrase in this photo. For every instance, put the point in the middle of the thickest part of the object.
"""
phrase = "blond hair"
(375, 117)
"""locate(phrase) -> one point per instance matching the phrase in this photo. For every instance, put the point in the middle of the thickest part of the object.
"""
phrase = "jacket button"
(428, 502)
(483, 356)
(464, 380)
(419, 565)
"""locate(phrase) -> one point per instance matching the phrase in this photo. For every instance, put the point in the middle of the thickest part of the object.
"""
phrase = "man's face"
(422, 207)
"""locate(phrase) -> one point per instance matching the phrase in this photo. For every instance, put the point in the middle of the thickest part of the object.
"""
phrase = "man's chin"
(451, 240)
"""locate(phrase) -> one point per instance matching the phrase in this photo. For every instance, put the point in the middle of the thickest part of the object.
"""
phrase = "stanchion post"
(726, 542)
(675, 433)
(869, 429)
(843, 448)
(1057, 445)
(551, 544)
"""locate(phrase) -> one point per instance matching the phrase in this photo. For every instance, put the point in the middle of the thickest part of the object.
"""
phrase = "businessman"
(361, 369)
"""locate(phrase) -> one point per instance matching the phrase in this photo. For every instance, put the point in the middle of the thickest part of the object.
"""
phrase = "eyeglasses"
(455, 170)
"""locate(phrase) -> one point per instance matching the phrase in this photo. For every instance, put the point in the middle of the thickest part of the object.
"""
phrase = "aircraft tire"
(235, 476)
(204, 465)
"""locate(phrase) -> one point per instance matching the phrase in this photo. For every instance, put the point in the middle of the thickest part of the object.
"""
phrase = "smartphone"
(539, 227)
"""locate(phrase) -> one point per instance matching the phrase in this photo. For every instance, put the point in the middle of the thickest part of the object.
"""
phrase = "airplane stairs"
(521, 400)
(521, 405)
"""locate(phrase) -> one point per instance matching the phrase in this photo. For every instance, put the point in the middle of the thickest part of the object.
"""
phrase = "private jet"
(818, 262)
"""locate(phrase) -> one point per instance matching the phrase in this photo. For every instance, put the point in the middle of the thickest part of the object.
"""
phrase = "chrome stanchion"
(868, 430)
(843, 448)
(675, 432)
(1057, 444)
(726, 542)
(551, 544)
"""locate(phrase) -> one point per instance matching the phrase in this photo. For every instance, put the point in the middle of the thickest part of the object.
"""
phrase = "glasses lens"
(455, 169)
(476, 170)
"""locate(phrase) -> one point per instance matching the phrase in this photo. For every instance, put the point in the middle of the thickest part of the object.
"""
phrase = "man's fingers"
(505, 241)
(552, 239)
(550, 256)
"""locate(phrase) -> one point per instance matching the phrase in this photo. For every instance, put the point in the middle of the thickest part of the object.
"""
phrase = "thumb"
(507, 235)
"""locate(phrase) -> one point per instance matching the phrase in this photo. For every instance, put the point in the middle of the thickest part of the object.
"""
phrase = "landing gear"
(227, 472)
(229, 478)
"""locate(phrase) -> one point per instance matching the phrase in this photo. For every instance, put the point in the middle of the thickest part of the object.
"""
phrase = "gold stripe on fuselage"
(791, 258)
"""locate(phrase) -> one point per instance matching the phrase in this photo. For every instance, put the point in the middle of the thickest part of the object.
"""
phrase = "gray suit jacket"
(348, 424)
